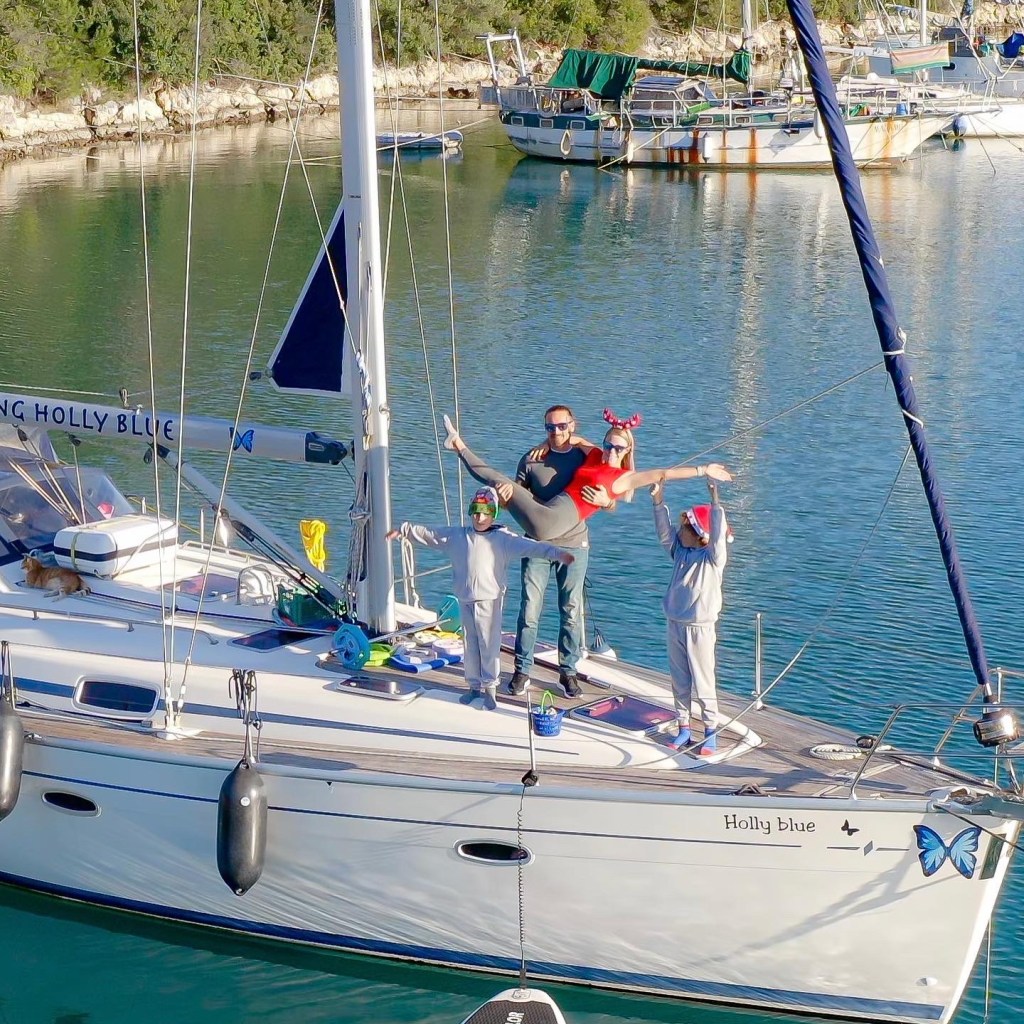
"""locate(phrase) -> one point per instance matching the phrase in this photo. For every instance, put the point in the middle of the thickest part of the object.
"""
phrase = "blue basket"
(545, 718)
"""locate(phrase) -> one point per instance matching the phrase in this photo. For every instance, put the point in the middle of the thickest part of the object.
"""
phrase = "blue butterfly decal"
(960, 850)
(243, 440)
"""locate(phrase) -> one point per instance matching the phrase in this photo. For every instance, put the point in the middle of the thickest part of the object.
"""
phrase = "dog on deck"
(53, 579)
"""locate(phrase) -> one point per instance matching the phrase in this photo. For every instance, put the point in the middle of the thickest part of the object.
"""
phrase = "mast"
(923, 36)
(890, 334)
(364, 335)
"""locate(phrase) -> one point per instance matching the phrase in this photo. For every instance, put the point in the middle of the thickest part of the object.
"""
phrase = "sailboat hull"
(766, 902)
(795, 144)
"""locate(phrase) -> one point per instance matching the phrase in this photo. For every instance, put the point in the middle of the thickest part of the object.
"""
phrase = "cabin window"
(123, 699)
(581, 125)
(71, 803)
(493, 851)
(703, 120)
(547, 122)
(517, 120)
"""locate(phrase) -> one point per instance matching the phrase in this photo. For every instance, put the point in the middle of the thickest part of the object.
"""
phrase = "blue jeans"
(570, 578)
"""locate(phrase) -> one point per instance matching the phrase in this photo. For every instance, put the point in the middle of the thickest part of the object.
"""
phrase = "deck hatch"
(630, 714)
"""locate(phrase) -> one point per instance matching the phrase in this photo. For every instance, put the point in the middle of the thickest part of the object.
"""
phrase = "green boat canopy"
(609, 75)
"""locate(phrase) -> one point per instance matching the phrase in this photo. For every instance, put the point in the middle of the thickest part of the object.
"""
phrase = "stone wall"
(26, 128)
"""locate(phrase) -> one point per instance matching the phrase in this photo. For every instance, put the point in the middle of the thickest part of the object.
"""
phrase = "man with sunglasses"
(545, 478)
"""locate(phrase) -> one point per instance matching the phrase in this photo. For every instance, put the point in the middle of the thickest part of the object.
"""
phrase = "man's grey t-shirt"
(548, 478)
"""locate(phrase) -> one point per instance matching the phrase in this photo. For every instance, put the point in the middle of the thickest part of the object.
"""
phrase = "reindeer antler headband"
(631, 423)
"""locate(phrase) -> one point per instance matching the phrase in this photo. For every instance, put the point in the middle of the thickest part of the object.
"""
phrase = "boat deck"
(783, 765)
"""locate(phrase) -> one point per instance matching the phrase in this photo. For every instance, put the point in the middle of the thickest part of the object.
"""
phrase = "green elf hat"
(485, 500)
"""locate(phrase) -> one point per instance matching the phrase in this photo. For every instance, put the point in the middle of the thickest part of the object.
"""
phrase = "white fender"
(565, 146)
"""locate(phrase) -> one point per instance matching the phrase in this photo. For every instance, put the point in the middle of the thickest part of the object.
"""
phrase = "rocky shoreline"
(28, 129)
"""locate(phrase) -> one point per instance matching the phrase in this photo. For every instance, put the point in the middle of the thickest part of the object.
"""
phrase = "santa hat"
(699, 517)
(485, 500)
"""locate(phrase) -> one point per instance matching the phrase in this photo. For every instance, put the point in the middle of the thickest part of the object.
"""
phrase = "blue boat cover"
(1010, 48)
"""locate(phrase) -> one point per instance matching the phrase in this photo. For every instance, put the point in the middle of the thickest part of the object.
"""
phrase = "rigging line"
(393, 102)
(1012, 843)
(520, 881)
(256, 322)
(167, 654)
(398, 181)
(448, 260)
(802, 404)
(173, 705)
(54, 391)
(843, 583)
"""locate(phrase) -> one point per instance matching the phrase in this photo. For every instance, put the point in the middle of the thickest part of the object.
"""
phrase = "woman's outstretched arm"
(648, 477)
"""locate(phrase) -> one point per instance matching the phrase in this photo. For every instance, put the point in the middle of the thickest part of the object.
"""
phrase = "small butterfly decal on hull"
(848, 828)
(243, 440)
(933, 852)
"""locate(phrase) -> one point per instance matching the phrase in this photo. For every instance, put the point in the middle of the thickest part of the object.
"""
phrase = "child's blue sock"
(710, 744)
(683, 739)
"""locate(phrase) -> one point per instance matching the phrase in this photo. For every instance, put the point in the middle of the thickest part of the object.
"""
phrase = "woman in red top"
(610, 467)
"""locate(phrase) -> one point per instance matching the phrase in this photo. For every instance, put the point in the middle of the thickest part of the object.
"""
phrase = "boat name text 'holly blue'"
(755, 823)
(84, 417)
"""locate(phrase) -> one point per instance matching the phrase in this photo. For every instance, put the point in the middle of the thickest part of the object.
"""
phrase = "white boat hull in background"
(877, 140)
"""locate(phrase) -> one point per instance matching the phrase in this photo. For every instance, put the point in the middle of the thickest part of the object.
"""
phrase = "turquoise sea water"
(719, 306)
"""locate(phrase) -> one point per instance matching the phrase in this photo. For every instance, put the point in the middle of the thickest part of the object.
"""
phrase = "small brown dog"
(52, 579)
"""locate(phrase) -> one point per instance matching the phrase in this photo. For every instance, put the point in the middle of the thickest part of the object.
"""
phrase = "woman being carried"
(609, 467)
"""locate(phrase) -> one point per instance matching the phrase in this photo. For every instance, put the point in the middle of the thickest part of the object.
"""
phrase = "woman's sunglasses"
(609, 447)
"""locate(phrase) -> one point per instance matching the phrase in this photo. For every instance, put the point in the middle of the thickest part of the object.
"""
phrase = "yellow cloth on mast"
(313, 532)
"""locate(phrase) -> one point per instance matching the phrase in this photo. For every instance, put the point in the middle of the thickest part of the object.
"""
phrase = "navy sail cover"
(883, 310)
(309, 355)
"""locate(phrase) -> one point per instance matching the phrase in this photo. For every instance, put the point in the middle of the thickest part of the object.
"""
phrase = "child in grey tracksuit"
(480, 556)
(692, 604)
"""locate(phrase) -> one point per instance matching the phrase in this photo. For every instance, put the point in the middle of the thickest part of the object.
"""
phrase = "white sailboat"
(130, 775)
(598, 109)
(982, 89)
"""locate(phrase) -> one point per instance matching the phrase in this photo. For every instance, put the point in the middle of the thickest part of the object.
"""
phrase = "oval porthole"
(492, 851)
(70, 803)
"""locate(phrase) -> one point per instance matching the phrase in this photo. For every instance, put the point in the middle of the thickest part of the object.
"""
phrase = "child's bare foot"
(452, 440)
